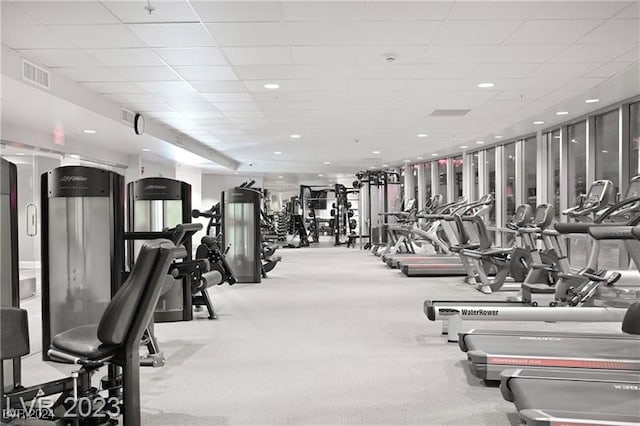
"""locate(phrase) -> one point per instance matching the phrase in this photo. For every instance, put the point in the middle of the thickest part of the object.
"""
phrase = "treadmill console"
(544, 216)
(522, 215)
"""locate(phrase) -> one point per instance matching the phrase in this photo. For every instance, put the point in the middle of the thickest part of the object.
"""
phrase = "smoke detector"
(390, 57)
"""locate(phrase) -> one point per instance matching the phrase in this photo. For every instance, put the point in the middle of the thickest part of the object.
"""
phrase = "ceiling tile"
(263, 72)
(442, 71)
(551, 70)
(379, 54)
(147, 73)
(218, 86)
(97, 36)
(188, 107)
(126, 57)
(492, 10)
(323, 55)
(492, 71)
(115, 87)
(61, 58)
(323, 33)
(67, 12)
(192, 56)
(522, 53)
(237, 106)
(581, 10)
(323, 85)
(306, 72)
(615, 31)
(33, 37)
(551, 31)
(399, 33)
(243, 114)
(609, 70)
(474, 32)
(197, 115)
(631, 56)
(13, 15)
(579, 53)
(392, 71)
(249, 33)
(378, 84)
(407, 10)
(172, 35)
(258, 55)
(91, 74)
(630, 12)
(206, 73)
(180, 98)
(245, 11)
(228, 97)
(323, 11)
(163, 11)
(285, 86)
(457, 54)
(166, 86)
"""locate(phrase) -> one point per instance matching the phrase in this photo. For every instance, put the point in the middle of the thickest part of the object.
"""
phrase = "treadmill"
(460, 237)
(605, 397)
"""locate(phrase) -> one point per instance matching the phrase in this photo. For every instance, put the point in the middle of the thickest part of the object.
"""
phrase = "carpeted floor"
(332, 337)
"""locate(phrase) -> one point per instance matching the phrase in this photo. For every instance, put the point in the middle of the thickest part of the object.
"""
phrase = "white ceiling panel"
(33, 37)
(330, 85)
(13, 15)
(115, 87)
(147, 73)
(245, 11)
(201, 73)
(218, 86)
(197, 115)
(443, 71)
(141, 57)
(98, 36)
(228, 97)
(258, 55)
(579, 53)
(249, 33)
(263, 72)
(400, 33)
(630, 12)
(476, 10)
(393, 71)
(305, 72)
(490, 71)
(192, 56)
(378, 84)
(285, 86)
(474, 32)
(457, 54)
(61, 57)
(552, 31)
(523, 53)
(172, 35)
(615, 31)
(67, 12)
(323, 33)
(166, 86)
(91, 74)
(323, 11)
(379, 54)
(323, 55)
(237, 106)
(163, 11)
(610, 69)
(182, 97)
(407, 10)
(551, 70)
(578, 10)
(631, 56)
(189, 107)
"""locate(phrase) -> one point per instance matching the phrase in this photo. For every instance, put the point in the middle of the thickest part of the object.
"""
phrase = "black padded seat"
(83, 341)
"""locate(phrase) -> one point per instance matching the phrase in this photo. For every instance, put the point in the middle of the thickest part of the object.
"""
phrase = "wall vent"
(36, 75)
(449, 112)
(127, 117)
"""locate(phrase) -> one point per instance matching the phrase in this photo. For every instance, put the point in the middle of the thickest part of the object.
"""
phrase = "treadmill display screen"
(595, 192)
(541, 214)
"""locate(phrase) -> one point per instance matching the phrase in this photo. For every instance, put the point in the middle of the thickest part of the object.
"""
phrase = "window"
(577, 173)
(530, 164)
(490, 162)
(427, 177)
(553, 140)
(475, 189)
(634, 123)
(607, 147)
(442, 178)
(457, 177)
(509, 180)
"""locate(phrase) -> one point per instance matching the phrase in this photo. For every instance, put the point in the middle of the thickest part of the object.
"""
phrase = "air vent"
(449, 112)
(35, 75)
(127, 116)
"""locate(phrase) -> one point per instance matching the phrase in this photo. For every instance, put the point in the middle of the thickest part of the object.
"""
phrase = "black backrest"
(14, 333)
(132, 299)
(631, 320)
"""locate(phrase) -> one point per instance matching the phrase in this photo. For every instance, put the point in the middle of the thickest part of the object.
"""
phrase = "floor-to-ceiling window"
(530, 171)
(490, 160)
(442, 178)
(509, 162)
(427, 178)
(553, 144)
(607, 147)
(577, 185)
(457, 176)
(634, 122)
(475, 189)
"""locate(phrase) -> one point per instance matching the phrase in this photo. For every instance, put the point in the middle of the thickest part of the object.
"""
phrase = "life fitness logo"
(73, 179)
(155, 187)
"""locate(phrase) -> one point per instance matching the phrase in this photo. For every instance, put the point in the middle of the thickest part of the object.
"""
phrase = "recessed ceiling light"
(463, 147)
(385, 165)
(498, 136)
(294, 136)
(407, 161)
(145, 150)
(277, 152)
(372, 167)
(435, 154)
(538, 122)
(271, 86)
(420, 158)
(89, 131)
(485, 85)
(19, 153)
(479, 142)
(562, 113)
(604, 151)
(279, 177)
(375, 152)
(574, 141)
(74, 156)
(326, 163)
(320, 175)
(422, 135)
(592, 101)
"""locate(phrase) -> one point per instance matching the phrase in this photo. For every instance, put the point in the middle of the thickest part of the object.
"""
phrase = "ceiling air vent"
(127, 117)
(35, 75)
(449, 112)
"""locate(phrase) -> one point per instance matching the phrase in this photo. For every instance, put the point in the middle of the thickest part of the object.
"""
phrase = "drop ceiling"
(200, 67)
